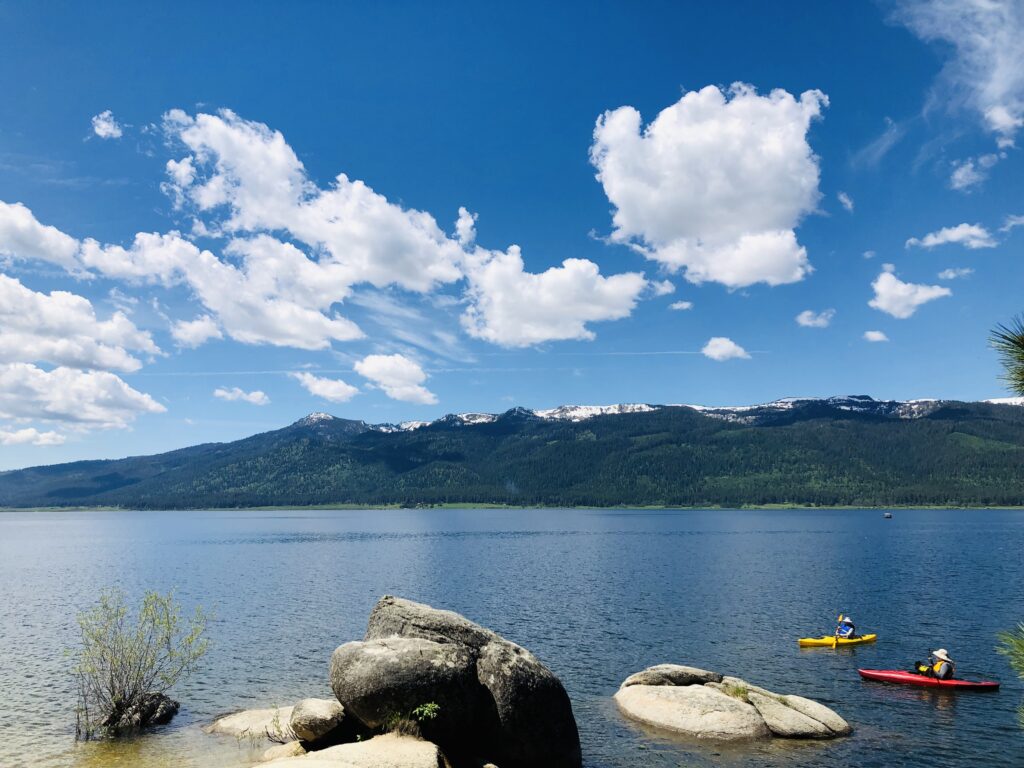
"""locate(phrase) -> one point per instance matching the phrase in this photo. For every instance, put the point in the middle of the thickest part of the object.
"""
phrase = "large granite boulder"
(694, 710)
(699, 704)
(496, 700)
(388, 751)
(379, 681)
(312, 719)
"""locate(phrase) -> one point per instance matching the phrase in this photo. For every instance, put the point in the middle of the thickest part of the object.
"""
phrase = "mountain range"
(851, 450)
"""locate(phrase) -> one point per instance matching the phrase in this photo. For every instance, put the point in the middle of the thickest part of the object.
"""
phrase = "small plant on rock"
(411, 723)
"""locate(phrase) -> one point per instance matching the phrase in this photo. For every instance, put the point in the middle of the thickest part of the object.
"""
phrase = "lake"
(596, 594)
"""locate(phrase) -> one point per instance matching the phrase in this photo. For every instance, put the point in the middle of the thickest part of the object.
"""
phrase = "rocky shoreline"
(428, 688)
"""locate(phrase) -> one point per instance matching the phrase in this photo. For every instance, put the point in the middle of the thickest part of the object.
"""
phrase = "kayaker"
(939, 666)
(845, 629)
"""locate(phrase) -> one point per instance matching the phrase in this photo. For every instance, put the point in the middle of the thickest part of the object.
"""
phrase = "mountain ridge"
(849, 450)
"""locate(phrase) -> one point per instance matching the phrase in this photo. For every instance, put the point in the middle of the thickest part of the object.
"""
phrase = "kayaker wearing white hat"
(845, 629)
(943, 667)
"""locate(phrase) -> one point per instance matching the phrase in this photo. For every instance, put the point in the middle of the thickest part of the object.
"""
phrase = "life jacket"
(846, 629)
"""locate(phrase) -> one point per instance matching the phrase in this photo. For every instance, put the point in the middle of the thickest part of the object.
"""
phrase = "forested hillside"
(816, 452)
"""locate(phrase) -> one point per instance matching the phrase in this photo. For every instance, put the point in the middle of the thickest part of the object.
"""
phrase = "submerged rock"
(704, 705)
(151, 709)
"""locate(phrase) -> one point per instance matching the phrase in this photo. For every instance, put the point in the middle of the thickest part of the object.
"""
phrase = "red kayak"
(909, 678)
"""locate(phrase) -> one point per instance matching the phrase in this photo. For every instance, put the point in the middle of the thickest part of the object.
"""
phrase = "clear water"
(596, 594)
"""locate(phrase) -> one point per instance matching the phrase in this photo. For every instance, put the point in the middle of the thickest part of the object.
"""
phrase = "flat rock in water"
(313, 719)
(672, 674)
(254, 723)
(819, 712)
(693, 710)
(786, 722)
(388, 751)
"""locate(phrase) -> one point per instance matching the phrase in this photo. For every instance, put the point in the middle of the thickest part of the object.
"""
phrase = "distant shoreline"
(466, 505)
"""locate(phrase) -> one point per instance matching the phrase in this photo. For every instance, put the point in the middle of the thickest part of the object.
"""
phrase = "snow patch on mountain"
(583, 412)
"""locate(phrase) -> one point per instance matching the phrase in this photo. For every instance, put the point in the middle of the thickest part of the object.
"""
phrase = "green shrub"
(128, 662)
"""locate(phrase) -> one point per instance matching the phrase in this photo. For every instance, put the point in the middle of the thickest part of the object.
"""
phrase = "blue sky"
(527, 192)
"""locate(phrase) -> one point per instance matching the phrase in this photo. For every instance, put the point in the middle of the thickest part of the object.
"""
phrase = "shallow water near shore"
(596, 594)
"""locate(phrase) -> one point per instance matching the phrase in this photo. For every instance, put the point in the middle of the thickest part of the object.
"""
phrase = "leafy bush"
(411, 723)
(127, 662)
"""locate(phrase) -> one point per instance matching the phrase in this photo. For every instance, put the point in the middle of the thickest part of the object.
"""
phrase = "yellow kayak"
(827, 641)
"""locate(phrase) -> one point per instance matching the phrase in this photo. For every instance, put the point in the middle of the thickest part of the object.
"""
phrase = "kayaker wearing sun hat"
(846, 629)
(943, 667)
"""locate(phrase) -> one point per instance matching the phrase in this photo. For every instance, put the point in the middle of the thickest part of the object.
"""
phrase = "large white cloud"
(74, 398)
(987, 71)
(716, 184)
(334, 390)
(62, 328)
(399, 377)
(900, 299)
(516, 308)
(23, 237)
(971, 236)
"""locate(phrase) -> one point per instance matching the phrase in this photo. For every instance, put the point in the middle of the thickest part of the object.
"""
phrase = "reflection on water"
(596, 594)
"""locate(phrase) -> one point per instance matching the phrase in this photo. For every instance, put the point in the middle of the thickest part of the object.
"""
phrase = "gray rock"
(693, 710)
(672, 674)
(819, 712)
(254, 724)
(378, 680)
(786, 722)
(313, 719)
(289, 749)
(388, 751)
(396, 617)
(535, 724)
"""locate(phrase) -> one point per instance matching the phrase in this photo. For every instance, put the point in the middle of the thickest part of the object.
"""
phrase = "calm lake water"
(595, 594)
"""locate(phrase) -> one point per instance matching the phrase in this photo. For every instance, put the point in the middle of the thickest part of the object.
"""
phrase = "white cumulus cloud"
(810, 319)
(334, 390)
(681, 305)
(105, 126)
(515, 308)
(195, 333)
(875, 336)
(62, 328)
(30, 436)
(846, 201)
(971, 236)
(256, 397)
(74, 398)
(722, 348)
(23, 237)
(399, 377)
(716, 184)
(900, 299)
